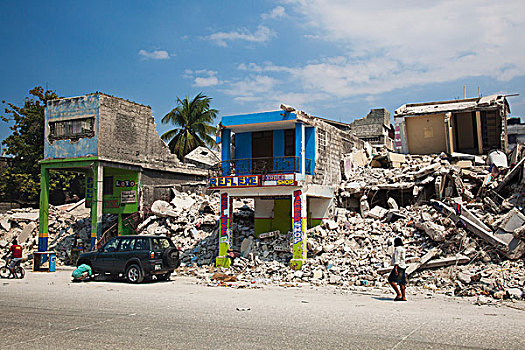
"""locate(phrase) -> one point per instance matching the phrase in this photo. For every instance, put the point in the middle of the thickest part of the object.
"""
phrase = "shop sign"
(124, 183)
(128, 197)
(278, 180)
(224, 219)
(234, 181)
(297, 222)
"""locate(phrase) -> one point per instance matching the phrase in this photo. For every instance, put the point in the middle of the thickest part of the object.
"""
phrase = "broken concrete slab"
(471, 222)
(5, 223)
(424, 259)
(27, 232)
(270, 234)
(378, 212)
(434, 231)
(24, 216)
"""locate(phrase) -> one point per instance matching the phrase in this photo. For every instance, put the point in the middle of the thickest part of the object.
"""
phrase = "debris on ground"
(461, 218)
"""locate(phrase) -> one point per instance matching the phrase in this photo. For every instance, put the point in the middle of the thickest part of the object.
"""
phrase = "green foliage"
(20, 181)
(193, 119)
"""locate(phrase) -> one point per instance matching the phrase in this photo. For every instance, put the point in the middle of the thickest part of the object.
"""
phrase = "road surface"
(47, 311)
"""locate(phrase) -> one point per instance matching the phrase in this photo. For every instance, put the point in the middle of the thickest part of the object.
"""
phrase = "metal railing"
(263, 166)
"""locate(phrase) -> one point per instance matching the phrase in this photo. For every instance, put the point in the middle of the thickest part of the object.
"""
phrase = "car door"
(123, 254)
(104, 259)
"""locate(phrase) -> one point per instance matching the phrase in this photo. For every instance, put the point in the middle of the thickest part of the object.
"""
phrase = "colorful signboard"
(252, 181)
(278, 180)
(234, 181)
(299, 230)
(224, 231)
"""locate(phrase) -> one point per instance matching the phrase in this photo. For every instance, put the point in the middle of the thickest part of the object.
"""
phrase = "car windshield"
(161, 243)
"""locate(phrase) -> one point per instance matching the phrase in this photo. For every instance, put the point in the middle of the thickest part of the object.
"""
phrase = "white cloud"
(202, 77)
(206, 81)
(390, 46)
(154, 55)
(277, 12)
(261, 35)
(378, 47)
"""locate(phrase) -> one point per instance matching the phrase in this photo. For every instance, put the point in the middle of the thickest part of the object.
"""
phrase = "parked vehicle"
(136, 257)
(16, 271)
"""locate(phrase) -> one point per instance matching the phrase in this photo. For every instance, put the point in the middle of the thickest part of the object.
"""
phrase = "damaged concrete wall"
(128, 133)
(374, 128)
(330, 145)
(69, 110)
(426, 134)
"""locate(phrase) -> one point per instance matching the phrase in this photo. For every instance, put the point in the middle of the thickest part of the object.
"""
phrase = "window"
(111, 246)
(141, 244)
(322, 141)
(161, 243)
(108, 185)
(71, 129)
(126, 244)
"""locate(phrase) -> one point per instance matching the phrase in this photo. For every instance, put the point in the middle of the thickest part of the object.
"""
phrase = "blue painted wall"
(278, 149)
(243, 153)
(309, 135)
(72, 108)
(225, 151)
(256, 118)
(298, 143)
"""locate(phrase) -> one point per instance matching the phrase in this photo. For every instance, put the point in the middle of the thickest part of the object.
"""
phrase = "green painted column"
(224, 231)
(43, 217)
(299, 219)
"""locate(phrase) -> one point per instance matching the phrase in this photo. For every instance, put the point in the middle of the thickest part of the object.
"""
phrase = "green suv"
(136, 257)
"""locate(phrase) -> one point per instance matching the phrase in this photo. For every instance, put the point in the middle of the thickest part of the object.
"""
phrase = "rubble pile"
(459, 241)
(69, 225)
(460, 217)
(190, 220)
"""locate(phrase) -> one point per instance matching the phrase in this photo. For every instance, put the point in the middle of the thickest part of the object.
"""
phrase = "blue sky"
(334, 59)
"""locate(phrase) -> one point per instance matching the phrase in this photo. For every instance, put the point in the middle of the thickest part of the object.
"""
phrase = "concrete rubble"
(463, 230)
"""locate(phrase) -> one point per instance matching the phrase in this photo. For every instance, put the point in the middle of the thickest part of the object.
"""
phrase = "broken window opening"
(71, 129)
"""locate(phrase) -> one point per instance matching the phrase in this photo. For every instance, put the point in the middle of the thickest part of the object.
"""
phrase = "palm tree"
(192, 119)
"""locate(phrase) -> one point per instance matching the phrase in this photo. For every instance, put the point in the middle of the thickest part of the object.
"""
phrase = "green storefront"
(111, 188)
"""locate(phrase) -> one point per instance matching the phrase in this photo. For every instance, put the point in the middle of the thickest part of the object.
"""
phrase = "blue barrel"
(52, 262)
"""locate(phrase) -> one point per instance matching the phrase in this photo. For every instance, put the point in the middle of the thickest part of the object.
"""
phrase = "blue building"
(286, 160)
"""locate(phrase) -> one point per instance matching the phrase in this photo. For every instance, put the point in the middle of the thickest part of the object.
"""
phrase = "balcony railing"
(263, 166)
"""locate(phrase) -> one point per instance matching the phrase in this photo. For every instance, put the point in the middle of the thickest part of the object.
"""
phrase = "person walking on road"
(398, 277)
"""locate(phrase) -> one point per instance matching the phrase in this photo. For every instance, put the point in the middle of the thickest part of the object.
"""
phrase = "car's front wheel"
(134, 274)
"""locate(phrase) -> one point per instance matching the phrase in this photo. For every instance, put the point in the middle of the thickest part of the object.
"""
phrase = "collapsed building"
(289, 163)
(375, 128)
(299, 190)
(473, 125)
(114, 142)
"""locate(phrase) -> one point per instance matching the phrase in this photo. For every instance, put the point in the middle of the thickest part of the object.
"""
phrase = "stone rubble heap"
(461, 221)
(444, 253)
(67, 224)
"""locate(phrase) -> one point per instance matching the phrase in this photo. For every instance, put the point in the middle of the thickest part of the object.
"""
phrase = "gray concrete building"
(515, 131)
(375, 128)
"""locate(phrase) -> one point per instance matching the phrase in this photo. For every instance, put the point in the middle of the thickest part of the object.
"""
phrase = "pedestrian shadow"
(383, 298)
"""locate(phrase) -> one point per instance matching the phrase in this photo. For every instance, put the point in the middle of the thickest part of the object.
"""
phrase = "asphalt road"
(47, 311)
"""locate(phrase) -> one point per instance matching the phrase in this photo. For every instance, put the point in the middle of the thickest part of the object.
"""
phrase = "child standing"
(397, 276)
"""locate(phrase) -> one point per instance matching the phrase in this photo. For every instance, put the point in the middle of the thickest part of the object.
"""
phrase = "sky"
(335, 59)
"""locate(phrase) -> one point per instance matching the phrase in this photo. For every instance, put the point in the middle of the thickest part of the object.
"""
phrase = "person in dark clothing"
(398, 276)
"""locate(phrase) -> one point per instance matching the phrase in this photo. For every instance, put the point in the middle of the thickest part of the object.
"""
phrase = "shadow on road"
(383, 298)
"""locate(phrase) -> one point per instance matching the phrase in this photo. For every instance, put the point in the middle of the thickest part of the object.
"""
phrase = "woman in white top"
(397, 276)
